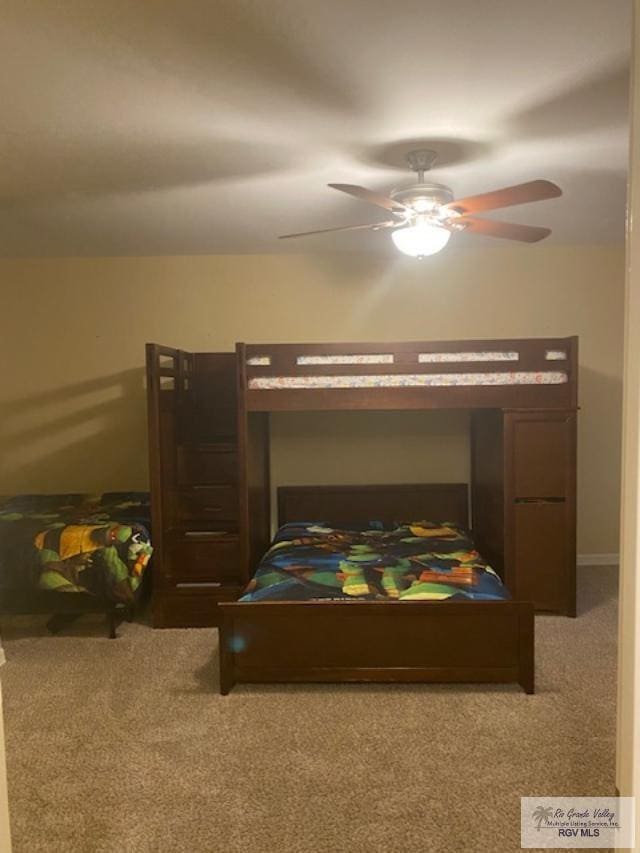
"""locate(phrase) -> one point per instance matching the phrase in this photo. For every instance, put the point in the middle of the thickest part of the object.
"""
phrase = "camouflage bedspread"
(96, 544)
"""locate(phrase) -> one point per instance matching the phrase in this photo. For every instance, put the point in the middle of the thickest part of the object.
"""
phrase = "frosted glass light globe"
(421, 239)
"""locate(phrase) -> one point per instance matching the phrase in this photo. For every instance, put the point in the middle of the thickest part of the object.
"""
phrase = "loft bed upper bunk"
(531, 373)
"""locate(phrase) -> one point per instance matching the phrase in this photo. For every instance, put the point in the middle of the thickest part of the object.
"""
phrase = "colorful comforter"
(96, 544)
(410, 561)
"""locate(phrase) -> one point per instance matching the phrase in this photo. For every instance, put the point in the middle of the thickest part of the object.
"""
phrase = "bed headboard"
(338, 504)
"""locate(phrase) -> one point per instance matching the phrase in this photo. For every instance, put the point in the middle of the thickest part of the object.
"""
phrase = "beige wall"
(72, 335)
(628, 730)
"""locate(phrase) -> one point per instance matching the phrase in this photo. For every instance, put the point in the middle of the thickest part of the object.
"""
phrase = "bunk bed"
(209, 443)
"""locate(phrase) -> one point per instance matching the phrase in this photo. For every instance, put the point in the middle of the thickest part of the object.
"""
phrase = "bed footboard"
(366, 641)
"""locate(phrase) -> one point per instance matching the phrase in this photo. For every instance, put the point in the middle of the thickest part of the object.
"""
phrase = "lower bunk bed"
(375, 584)
(69, 554)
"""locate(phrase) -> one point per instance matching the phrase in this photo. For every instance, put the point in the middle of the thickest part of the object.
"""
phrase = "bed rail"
(526, 373)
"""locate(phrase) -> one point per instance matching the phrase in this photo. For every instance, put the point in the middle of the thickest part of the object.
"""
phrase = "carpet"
(126, 746)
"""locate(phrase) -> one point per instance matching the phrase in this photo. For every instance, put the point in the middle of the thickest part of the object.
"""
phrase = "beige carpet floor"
(125, 746)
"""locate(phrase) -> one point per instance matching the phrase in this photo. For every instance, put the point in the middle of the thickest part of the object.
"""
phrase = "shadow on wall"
(90, 436)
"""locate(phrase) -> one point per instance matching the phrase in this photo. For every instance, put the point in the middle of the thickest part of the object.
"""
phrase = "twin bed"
(68, 554)
(375, 583)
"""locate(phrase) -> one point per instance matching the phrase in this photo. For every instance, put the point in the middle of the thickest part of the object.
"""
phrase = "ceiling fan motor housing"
(423, 197)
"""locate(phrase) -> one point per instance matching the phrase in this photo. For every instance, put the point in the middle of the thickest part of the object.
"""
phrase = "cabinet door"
(542, 455)
(540, 522)
(541, 546)
(206, 465)
(208, 503)
(210, 561)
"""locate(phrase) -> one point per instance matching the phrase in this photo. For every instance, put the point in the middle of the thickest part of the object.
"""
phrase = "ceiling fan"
(426, 214)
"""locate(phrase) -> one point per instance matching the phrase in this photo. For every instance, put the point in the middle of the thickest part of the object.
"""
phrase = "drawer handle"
(212, 509)
(540, 500)
(194, 534)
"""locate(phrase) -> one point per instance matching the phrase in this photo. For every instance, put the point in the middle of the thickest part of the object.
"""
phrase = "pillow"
(298, 529)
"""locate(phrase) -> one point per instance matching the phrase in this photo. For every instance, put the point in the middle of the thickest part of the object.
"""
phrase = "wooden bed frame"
(209, 458)
(381, 641)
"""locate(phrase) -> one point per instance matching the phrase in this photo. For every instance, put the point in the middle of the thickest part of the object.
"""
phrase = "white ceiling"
(197, 126)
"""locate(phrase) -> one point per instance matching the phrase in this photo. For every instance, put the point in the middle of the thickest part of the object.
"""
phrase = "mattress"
(407, 561)
(410, 380)
(70, 543)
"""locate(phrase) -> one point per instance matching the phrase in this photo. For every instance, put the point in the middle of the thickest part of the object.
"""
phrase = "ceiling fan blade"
(507, 230)
(374, 226)
(507, 197)
(370, 196)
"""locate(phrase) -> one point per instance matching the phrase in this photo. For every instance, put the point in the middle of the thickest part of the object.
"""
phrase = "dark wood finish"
(487, 486)
(192, 403)
(363, 641)
(207, 464)
(194, 606)
(376, 641)
(254, 476)
(531, 358)
(243, 462)
(540, 450)
(540, 508)
(396, 399)
(531, 351)
(212, 503)
(211, 416)
(524, 502)
(165, 384)
(538, 190)
(523, 449)
(162, 439)
(539, 553)
(388, 503)
(372, 197)
(213, 559)
(259, 486)
(504, 230)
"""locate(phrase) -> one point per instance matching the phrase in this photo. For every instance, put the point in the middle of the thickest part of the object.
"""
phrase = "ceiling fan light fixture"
(424, 205)
(425, 214)
(421, 239)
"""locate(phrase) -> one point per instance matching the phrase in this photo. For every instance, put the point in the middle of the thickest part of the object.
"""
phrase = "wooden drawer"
(190, 607)
(204, 465)
(211, 561)
(542, 450)
(205, 420)
(541, 558)
(207, 503)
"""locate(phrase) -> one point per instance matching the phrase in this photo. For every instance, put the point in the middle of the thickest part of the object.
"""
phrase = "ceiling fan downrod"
(421, 160)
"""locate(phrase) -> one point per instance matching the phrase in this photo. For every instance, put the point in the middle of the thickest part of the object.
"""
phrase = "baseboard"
(598, 559)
